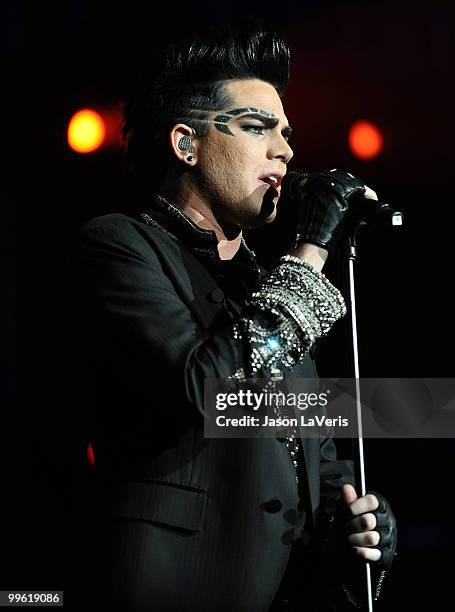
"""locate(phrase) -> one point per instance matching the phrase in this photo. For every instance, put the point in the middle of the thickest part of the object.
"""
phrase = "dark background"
(386, 62)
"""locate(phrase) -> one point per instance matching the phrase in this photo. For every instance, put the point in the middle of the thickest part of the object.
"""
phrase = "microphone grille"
(291, 182)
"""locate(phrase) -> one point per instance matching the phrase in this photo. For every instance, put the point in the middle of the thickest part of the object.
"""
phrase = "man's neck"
(202, 215)
(227, 248)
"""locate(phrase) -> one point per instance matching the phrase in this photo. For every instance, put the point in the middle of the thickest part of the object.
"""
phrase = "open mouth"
(273, 180)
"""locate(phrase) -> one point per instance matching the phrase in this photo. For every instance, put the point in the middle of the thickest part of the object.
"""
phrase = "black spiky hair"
(186, 81)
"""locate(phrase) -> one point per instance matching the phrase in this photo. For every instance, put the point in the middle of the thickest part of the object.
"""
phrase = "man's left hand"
(370, 526)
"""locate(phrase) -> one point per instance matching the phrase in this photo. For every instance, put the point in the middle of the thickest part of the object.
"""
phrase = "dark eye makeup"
(255, 129)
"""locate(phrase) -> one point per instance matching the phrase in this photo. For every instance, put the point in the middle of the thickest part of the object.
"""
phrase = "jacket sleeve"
(139, 325)
(334, 473)
(147, 329)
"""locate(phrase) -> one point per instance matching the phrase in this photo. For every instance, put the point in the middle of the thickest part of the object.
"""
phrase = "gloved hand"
(345, 528)
(357, 530)
(323, 200)
(386, 526)
(367, 525)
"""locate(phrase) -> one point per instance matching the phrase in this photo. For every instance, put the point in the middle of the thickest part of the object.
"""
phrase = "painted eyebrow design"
(268, 119)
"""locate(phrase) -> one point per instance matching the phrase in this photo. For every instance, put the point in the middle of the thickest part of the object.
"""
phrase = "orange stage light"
(365, 140)
(86, 131)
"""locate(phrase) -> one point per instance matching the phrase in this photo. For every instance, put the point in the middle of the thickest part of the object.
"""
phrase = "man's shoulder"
(121, 228)
(110, 223)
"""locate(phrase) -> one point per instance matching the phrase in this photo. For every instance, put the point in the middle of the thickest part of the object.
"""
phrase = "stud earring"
(189, 158)
(186, 144)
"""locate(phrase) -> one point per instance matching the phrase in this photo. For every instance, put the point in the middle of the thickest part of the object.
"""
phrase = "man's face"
(245, 150)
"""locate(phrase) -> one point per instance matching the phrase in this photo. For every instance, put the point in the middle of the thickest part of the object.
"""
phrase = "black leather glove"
(323, 200)
(340, 560)
(355, 584)
(386, 525)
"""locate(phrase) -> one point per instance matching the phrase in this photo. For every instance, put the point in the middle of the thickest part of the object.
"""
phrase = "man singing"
(172, 296)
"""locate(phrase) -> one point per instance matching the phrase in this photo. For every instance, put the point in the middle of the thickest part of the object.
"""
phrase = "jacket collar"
(202, 242)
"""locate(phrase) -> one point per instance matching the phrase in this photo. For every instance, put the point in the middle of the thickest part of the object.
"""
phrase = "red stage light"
(365, 140)
(90, 454)
(86, 131)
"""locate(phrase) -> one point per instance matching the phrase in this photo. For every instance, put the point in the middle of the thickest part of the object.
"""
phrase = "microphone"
(372, 212)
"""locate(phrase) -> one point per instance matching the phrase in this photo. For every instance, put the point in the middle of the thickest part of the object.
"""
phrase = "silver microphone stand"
(393, 219)
(352, 255)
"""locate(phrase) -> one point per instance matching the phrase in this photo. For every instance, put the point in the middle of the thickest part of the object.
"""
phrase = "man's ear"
(183, 145)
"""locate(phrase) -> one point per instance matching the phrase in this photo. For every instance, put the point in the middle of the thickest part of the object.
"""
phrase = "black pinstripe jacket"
(187, 523)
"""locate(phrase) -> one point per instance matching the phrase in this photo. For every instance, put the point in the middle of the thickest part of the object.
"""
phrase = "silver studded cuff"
(293, 307)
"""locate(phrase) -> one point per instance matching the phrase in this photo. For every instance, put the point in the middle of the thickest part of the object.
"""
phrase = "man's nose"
(281, 150)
